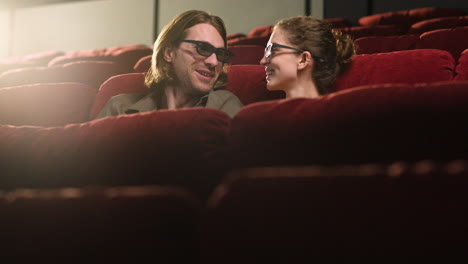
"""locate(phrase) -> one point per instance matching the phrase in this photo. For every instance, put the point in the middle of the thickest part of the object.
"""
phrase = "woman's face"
(280, 62)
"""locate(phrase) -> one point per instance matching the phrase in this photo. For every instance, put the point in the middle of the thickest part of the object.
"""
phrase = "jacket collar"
(149, 103)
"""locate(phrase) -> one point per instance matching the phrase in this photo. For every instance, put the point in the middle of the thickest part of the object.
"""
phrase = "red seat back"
(249, 84)
(247, 54)
(438, 23)
(379, 30)
(410, 66)
(405, 18)
(300, 213)
(143, 64)
(379, 44)
(462, 68)
(137, 149)
(261, 31)
(83, 55)
(453, 40)
(381, 123)
(124, 221)
(127, 57)
(258, 41)
(119, 84)
(46, 104)
(92, 73)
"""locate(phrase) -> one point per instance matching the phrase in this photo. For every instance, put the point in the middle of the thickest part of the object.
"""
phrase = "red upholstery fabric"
(420, 14)
(461, 69)
(106, 221)
(13, 65)
(42, 58)
(453, 40)
(410, 66)
(142, 64)
(381, 123)
(261, 31)
(125, 83)
(46, 104)
(235, 35)
(438, 23)
(259, 41)
(92, 73)
(84, 55)
(115, 49)
(32, 60)
(249, 84)
(299, 213)
(247, 54)
(129, 56)
(380, 30)
(338, 22)
(379, 44)
(404, 19)
(182, 147)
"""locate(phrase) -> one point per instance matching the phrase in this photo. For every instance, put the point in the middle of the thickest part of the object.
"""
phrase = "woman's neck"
(304, 88)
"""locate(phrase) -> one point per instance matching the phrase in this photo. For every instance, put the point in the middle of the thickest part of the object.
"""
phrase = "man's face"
(196, 74)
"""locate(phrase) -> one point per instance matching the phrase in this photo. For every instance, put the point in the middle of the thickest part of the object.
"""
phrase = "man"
(187, 68)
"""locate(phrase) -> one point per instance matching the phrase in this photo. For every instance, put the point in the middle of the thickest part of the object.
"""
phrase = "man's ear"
(168, 55)
(305, 60)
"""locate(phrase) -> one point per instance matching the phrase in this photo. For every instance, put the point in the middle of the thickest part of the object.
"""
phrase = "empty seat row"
(453, 40)
(405, 18)
(126, 56)
(296, 214)
(123, 222)
(293, 213)
(78, 100)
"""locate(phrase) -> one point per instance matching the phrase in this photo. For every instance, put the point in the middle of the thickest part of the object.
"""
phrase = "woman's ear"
(305, 60)
(168, 54)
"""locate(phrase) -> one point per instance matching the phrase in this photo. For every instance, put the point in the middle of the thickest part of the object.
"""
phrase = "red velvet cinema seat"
(405, 18)
(438, 23)
(380, 123)
(380, 44)
(92, 73)
(298, 213)
(46, 104)
(410, 66)
(180, 147)
(127, 57)
(32, 60)
(379, 30)
(462, 68)
(125, 221)
(143, 64)
(261, 31)
(119, 84)
(453, 40)
(82, 55)
(259, 41)
(246, 54)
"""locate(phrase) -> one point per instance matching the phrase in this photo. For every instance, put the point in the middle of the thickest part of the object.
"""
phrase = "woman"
(304, 56)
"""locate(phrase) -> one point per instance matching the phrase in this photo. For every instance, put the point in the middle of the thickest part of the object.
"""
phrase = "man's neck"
(175, 98)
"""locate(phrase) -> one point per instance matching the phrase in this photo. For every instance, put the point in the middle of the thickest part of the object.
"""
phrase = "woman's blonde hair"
(161, 71)
(332, 51)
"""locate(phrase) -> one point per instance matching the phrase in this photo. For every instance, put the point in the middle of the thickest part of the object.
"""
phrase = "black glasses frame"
(272, 45)
(206, 49)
